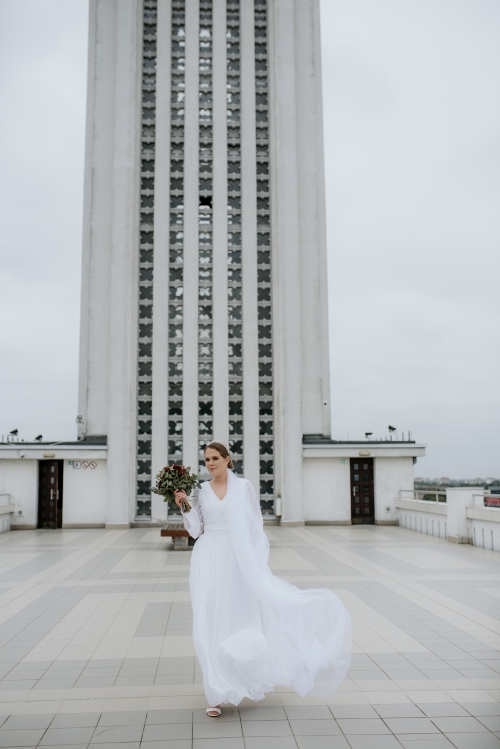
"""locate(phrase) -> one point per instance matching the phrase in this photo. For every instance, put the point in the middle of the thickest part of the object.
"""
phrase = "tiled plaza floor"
(96, 648)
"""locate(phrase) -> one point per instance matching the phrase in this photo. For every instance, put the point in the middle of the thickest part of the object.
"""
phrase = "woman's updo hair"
(222, 450)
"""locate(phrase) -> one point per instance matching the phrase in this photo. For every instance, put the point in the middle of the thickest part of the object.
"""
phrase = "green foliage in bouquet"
(175, 477)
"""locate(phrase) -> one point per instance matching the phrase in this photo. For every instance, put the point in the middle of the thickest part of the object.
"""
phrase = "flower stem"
(185, 506)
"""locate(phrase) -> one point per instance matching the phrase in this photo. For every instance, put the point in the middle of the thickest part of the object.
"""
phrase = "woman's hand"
(179, 495)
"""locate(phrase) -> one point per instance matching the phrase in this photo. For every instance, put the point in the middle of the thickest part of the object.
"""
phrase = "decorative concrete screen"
(266, 401)
(205, 233)
(176, 233)
(204, 256)
(146, 245)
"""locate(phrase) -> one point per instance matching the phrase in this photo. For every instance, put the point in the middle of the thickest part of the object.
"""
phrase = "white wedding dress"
(253, 631)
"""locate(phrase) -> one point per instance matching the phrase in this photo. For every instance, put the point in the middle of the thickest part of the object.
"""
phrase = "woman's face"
(215, 463)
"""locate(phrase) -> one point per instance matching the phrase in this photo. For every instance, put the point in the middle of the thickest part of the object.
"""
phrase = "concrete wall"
(19, 478)
(326, 490)
(84, 495)
(485, 533)
(84, 489)
(390, 475)
(430, 523)
(462, 519)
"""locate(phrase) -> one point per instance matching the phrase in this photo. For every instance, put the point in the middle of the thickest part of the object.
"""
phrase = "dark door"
(362, 494)
(50, 494)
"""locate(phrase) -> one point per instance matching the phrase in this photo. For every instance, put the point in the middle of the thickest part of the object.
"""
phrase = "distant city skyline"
(447, 480)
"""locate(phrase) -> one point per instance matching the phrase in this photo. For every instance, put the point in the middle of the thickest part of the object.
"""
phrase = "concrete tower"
(204, 300)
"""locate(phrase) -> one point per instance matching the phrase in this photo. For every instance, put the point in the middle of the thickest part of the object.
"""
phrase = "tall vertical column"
(191, 140)
(286, 267)
(97, 223)
(249, 248)
(313, 270)
(219, 221)
(123, 282)
(321, 219)
(159, 451)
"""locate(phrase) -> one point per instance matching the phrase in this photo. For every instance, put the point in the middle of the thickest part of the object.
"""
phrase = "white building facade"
(204, 305)
(204, 287)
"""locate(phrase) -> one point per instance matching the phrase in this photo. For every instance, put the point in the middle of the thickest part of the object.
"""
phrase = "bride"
(251, 630)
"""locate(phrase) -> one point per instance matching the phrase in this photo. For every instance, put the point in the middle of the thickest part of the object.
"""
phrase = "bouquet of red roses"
(175, 477)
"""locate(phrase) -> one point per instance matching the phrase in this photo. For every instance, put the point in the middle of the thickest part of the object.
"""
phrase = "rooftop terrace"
(96, 647)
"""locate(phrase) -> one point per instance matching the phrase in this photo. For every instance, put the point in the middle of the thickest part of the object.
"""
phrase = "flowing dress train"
(253, 631)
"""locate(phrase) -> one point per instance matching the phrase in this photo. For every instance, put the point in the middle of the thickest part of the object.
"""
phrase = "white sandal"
(215, 710)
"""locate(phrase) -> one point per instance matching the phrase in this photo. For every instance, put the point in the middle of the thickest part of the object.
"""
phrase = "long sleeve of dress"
(193, 521)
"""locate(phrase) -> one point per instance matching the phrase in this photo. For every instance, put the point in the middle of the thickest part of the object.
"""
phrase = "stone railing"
(463, 515)
(423, 511)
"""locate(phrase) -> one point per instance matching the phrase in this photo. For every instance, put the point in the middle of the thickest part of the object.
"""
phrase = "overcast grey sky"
(412, 123)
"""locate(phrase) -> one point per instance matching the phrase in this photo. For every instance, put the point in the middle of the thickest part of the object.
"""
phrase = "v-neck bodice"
(213, 509)
(215, 495)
